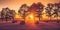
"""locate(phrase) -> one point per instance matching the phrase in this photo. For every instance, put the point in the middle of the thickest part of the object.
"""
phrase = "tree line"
(51, 10)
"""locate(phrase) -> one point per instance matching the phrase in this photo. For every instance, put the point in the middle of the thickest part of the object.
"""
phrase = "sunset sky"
(15, 4)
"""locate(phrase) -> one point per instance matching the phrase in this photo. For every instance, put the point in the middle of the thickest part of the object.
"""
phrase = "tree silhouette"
(49, 9)
(40, 8)
(23, 11)
(4, 13)
(59, 9)
(12, 14)
(56, 10)
(33, 8)
(37, 9)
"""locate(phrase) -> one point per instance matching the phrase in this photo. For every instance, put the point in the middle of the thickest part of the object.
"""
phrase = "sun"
(31, 16)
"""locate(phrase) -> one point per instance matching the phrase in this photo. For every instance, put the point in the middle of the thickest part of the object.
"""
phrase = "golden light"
(30, 19)
(31, 16)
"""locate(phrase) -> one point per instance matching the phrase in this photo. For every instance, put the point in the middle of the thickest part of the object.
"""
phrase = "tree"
(12, 14)
(40, 8)
(37, 9)
(49, 9)
(23, 11)
(4, 13)
(56, 10)
(32, 9)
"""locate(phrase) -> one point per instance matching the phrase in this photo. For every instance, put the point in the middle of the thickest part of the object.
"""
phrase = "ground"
(29, 26)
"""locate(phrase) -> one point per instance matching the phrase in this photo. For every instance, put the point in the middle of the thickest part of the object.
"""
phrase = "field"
(29, 26)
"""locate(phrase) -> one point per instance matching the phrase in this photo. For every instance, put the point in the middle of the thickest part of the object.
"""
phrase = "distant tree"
(23, 11)
(4, 13)
(40, 9)
(49, 9)
(37, 9)
(59, 9)
(33, 8)
(56, 10)
(57, 5)
(12, 14)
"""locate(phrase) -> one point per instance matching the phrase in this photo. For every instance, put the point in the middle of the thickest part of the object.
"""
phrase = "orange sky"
(15, 4)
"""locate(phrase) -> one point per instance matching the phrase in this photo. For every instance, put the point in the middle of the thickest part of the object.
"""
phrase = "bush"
(13, 21)
(37, 22)
(22, 23)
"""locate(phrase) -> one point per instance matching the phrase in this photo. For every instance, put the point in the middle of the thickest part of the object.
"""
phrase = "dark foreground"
(28, 26)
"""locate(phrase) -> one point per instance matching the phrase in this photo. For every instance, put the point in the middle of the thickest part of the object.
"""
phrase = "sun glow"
(31, 16)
